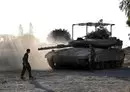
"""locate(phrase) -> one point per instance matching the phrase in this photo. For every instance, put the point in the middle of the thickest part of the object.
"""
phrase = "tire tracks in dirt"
(38, 85)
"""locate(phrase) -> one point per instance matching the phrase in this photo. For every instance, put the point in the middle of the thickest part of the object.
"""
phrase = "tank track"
(95, 65)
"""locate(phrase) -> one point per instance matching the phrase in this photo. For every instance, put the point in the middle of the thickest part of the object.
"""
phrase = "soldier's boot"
(23, 78)
(32, 78)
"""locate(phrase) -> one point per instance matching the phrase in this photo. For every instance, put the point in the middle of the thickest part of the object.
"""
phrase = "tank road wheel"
(101, 64)
(120, 63)
(112, 64)
(51, 63)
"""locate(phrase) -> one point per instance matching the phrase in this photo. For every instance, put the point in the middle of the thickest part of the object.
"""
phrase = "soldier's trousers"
(28, 68)
(91, 65)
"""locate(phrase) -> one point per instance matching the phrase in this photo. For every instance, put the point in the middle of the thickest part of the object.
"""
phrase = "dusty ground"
(113, 80)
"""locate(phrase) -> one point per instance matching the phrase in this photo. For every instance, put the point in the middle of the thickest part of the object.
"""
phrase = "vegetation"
(59, 35)
(125, 6)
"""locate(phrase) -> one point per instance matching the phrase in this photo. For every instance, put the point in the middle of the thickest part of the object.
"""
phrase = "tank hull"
(79, 57)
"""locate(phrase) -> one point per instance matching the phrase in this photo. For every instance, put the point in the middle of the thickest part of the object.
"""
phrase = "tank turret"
(97, 43)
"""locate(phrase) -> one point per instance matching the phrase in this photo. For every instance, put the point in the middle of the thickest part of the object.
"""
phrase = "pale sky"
(47, 15)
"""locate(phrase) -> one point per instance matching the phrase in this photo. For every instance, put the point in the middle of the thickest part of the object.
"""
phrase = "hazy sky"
(46, 15)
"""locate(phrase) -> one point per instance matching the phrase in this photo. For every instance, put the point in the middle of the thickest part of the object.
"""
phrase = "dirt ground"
(112, 80)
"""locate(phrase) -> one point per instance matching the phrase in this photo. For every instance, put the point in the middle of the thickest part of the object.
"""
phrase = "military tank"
(77, 53)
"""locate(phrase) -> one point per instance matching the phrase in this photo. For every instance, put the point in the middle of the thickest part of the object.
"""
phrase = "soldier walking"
(26, 65)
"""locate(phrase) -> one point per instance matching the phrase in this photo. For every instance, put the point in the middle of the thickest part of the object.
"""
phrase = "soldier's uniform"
(26, 65)
(91, 57)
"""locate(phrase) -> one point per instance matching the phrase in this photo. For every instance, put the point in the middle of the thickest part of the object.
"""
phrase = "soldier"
(91, 57)
(26, 65)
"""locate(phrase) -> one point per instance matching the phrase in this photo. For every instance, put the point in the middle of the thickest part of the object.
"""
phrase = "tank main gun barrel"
(53, 47)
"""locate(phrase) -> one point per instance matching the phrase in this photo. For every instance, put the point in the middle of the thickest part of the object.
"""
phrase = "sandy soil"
(113, 80)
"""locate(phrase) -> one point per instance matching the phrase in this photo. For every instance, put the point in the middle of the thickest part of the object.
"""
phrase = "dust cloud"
(12, 49)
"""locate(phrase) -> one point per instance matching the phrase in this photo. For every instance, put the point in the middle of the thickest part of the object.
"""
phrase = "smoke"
(9, 55)
(12, 50)
(60, 41)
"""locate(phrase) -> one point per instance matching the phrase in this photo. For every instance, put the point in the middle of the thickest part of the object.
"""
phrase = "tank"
(108, 52)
